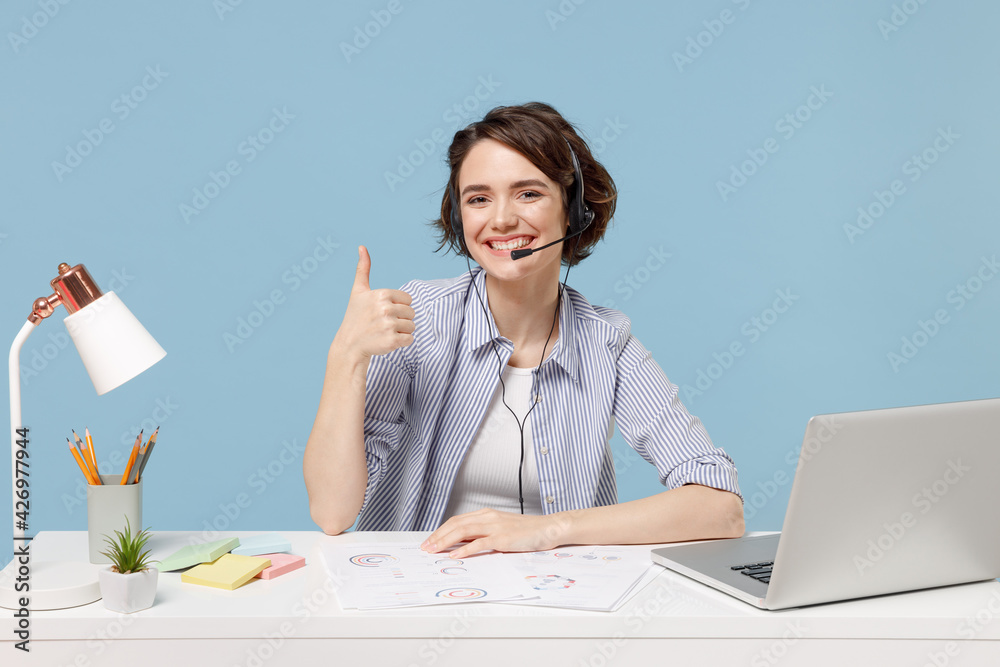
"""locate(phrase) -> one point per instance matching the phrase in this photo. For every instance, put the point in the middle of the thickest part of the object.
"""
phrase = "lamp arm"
(15, 414)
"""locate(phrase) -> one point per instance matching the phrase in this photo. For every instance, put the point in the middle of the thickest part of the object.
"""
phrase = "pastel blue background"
(236, 417)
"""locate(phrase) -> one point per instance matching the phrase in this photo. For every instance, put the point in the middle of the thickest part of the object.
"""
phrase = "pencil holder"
(108, 505)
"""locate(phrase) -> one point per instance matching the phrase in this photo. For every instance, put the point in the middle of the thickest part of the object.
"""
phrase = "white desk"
(295, 620)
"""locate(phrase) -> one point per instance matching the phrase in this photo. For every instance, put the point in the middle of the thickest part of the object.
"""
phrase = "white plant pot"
(126, 593)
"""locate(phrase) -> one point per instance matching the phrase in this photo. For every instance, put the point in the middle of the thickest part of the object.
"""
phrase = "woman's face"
(508, 203)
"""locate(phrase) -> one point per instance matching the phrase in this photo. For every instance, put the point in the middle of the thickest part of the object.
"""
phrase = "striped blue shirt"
(425, 402)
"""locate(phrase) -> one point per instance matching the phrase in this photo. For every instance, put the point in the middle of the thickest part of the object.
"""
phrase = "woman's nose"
(503, 215)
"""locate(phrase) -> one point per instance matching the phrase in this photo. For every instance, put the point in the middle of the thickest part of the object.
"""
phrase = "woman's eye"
(477, 200)
(531, 195)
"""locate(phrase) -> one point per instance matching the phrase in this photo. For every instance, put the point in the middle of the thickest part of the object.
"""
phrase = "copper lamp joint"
(74, 288)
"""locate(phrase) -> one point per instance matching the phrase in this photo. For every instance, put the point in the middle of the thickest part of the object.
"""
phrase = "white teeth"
(510, 245)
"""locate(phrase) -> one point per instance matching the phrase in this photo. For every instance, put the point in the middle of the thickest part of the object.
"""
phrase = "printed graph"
(549, 582)
(373, 560)
(461, 593)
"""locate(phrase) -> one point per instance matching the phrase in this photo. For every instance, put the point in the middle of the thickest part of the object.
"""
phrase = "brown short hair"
(540, 133)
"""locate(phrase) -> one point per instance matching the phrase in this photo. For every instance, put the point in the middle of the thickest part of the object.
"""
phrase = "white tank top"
(488, 474)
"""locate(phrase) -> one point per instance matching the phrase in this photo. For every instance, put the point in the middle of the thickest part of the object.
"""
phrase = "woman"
(497, 391)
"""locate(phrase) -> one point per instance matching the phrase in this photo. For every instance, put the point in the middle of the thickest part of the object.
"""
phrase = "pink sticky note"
(281, 564)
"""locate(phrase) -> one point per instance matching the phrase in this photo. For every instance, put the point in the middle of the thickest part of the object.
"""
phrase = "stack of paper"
(380, 575)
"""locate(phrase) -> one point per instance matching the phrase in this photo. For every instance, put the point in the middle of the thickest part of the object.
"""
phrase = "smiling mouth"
(513, 244)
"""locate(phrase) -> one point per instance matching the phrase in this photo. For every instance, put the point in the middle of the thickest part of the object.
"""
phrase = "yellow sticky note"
(229, 572)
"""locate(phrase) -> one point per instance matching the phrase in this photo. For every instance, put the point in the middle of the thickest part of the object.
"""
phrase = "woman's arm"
(334, 464)
(690, 512)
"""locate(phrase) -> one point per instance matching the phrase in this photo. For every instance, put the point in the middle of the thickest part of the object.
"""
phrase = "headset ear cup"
(580, 215)
(580, 218)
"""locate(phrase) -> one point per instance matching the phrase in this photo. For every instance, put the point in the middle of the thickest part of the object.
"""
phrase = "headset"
(580, 218)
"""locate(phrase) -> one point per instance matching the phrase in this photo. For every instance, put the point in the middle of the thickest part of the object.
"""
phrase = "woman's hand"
(500, 531)
(377, 321)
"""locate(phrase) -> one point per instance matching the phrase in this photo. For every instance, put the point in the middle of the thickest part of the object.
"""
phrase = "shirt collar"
(481, 328)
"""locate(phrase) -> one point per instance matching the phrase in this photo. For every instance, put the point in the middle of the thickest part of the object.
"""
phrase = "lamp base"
(53, 585)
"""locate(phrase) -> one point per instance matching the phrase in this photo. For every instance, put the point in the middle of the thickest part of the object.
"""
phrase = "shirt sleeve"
(654, 422)
(387, 389)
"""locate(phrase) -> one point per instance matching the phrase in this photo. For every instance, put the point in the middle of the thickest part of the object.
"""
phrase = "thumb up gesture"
(377, 321)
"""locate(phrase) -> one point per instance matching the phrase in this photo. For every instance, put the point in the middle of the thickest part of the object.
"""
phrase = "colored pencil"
(134, 477)
(140, 462)
(148, 452)
(90, 448)
(79, 462)
(82, 447)
(131, 459)
(86, 460)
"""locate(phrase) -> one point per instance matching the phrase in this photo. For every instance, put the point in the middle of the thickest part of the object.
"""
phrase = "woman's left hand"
(500, 531)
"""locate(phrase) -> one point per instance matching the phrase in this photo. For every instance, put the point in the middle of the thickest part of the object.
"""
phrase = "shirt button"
(538, 398)
(544, 450)
(549, 499)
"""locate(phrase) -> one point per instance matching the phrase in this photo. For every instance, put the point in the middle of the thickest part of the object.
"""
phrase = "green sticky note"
(193, 554)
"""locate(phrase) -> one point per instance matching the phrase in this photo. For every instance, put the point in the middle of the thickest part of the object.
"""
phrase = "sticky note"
(197, 553)
(268, 543)
(281, 564)
(228, 573)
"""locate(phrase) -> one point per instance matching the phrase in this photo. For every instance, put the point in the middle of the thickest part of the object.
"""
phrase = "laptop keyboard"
(759, 571)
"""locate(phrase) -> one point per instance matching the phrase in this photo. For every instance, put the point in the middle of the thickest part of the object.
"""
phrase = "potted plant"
(130, 583)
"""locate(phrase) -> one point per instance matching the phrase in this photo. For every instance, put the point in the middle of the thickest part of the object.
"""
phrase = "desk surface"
(303, 605)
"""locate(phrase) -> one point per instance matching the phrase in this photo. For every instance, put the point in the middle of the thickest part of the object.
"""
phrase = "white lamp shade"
(113, 345)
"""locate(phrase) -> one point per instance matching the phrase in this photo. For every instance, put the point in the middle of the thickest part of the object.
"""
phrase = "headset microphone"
(524, 252)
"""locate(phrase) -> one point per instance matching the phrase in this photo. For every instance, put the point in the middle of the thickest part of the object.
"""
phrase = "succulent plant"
(125, 551)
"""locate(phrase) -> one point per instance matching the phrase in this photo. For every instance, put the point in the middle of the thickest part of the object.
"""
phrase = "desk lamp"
(114, 348)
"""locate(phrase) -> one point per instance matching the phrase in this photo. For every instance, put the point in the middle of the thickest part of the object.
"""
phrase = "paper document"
(381, 575)
(403, 575)
(598, 578)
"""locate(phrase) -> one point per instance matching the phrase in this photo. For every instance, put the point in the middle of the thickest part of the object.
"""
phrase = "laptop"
(882, 501)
